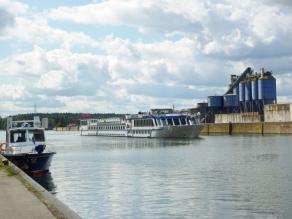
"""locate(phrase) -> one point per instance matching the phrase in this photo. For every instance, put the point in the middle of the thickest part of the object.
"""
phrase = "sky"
(126, 56)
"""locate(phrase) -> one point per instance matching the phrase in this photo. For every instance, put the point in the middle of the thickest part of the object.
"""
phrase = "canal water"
(210, 177)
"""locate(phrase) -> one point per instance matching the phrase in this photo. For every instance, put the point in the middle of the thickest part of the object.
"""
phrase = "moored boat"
(155, 124)
(26, 146)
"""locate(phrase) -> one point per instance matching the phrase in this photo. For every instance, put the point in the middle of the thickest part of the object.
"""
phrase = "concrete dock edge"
(52, 203)
(261, 128)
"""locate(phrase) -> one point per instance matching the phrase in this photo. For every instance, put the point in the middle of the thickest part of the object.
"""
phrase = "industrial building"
(249, 106)
(278, 113)
(244, 101)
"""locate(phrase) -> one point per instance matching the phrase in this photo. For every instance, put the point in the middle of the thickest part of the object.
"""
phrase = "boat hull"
(32, 163)
(190, 131)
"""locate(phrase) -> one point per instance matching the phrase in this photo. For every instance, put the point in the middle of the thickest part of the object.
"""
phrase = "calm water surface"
(210, 177)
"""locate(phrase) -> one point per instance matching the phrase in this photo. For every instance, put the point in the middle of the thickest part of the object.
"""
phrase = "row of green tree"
(58, 119)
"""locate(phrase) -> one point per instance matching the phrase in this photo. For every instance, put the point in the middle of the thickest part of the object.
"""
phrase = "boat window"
(36, 135)
(83, 122)
(183, 121)
(149, 122)
(176, 121)
(169, 121)
(158, 122)
(163, 121)
(143, 122)
(18, 136)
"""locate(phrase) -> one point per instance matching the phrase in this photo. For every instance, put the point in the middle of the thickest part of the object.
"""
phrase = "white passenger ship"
(146, 125)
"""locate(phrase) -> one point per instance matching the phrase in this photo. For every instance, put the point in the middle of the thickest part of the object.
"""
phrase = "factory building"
(250, 91)
(278, 113)
(246, 99)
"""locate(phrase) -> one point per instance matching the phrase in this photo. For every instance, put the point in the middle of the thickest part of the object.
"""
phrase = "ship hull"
(191, 131)
(32, 163)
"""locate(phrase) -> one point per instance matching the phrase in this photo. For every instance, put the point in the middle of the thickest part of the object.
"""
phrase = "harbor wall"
(57, 208)
(64, 129)
(238, 118)
(248, 128)
(277, 128)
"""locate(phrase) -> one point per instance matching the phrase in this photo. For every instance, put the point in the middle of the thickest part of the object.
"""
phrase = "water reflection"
(212, 177)
(110, 143)
(47, 182)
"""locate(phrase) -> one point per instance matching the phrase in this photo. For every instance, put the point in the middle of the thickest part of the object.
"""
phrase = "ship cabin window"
(36, 135)
(183, 121)
(176, 121)
(149, 122)
(158, 122)
(143, 122)
(163, 120)
(83, 122)
(169, 121)
(18, 136)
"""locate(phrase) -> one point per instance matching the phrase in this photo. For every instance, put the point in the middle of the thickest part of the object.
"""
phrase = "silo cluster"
(255, 90)
(247, 92)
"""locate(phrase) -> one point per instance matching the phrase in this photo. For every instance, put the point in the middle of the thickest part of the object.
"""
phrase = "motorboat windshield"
(24, 135)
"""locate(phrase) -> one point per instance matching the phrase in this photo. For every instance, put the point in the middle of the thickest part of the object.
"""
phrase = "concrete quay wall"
(36, 201)
(65, 129)
(248, 128)
(277, 128)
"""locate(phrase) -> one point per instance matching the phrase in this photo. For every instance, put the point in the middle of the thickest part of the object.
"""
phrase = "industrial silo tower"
(267, 93)
(253, 91)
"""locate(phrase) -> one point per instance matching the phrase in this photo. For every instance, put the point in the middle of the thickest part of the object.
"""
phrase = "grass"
(8, 169)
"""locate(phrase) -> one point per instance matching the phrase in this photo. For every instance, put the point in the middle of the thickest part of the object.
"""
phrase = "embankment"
(22, 197)
(248, 128)
(65, 129)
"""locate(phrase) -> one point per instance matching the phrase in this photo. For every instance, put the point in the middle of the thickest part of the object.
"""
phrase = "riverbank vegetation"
(59, 119)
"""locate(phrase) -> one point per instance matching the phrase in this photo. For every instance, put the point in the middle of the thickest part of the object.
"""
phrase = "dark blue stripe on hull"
(31, 162)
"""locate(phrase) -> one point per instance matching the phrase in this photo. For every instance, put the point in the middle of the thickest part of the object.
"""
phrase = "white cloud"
(32, 63)
(56, 80)
(199, 44)
(119, 80)
(159, 15)
(13, 92)
(37, 31)
(6, 19)
(14, 7)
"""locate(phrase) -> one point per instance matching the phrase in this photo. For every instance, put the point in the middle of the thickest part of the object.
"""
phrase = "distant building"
(45, 123)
